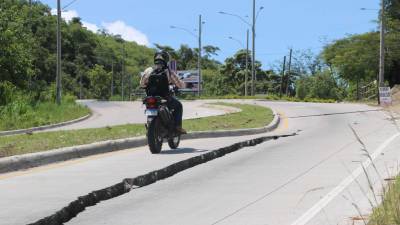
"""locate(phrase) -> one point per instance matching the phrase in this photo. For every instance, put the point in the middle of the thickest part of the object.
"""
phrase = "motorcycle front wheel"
(154, 138)
(174, 142)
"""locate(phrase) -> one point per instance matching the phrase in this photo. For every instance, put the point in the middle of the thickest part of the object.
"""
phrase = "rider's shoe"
(181, 130)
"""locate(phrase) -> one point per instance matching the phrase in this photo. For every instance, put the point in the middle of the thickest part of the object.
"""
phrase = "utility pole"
(129, 76)
(253, 29)
(358, 87)
(130, 87)
(123, 71)
(247, 63)
(80, 62)
(80, 85)
(289, 72)
(30, 30)
(253, 69)
(58, 78)
(199, 58)
(112, 78)
(382, 47)
(283, 76)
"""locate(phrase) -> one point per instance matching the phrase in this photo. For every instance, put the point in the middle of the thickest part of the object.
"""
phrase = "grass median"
(250, 116)
(21, 115)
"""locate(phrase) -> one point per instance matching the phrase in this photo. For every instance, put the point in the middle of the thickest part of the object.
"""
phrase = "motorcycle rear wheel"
(154, 139)
(174, 142)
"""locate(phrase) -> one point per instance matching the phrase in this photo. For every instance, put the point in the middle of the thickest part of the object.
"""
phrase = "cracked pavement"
(275, 182)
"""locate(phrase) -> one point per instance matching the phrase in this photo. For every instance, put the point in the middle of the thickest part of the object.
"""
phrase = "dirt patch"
(396, 94)
(396, 99)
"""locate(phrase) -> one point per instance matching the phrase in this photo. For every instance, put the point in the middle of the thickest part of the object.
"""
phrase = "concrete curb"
(23, 131)
(26, 161)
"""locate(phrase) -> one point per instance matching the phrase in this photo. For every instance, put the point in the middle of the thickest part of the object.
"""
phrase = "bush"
(319, 86)
(7, 91)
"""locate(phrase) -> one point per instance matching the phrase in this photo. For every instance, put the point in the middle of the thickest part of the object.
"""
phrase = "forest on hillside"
(105, 66)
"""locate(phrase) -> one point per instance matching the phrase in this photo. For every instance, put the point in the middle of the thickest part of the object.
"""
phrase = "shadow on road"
(182, 151)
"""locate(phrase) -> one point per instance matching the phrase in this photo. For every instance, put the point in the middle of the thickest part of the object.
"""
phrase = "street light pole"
(247, 63)
(199, 58)
(199, 79)
(381, 75)
(30, 30)
(247, 58)
(253, 75)
(382, 47)
(123, 71)
(112, 78)
(289, 71)
(58, 78)
(283, 76)
(253, 28)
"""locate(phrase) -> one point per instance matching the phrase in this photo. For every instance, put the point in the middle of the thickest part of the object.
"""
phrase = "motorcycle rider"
(161, 60)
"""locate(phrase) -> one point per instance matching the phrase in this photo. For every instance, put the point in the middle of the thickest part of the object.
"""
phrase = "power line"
(69, 4)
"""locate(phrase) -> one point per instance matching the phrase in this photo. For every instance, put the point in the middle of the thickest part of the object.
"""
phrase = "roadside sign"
(385, 96)
(190, 78)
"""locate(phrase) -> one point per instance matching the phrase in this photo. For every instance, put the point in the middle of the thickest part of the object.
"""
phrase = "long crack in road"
(74, 208)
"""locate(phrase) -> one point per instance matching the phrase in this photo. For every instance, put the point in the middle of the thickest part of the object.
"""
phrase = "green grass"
(251, 116)
(20, 115)
(261, 97)
(388, 213)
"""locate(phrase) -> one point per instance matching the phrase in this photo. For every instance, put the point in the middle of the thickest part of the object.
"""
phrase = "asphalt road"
(105, 113)
(304, 179)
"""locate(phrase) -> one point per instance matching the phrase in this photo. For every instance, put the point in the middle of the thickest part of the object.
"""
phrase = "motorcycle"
(160, 124)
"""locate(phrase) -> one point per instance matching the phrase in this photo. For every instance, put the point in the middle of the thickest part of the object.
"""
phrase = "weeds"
(22, 114)
(388, 213)
(366, 153)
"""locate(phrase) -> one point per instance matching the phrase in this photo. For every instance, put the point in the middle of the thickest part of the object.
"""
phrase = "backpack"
(158, 83)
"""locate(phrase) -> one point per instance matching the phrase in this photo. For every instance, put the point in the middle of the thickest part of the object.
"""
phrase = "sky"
(281, 25)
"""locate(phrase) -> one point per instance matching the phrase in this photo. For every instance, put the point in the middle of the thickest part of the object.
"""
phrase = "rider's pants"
(176, 105)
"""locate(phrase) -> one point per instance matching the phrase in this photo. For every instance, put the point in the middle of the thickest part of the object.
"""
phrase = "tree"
(99, 82)
(15, 61)
(232, 79)
(187, 58)
(355, 58)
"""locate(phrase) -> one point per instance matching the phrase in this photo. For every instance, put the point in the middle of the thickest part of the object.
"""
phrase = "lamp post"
(201, 22)
(58, 73)
(58, 69)
(199, 58)
(247, 58)
(253, 29)
(382, 47)
(381, 76)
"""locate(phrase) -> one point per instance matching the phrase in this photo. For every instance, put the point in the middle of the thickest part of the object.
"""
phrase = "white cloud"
(90, 26)
(118, 27)
(127, 32)
(66, 15)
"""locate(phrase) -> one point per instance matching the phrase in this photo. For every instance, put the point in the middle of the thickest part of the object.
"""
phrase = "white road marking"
(306, 217)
